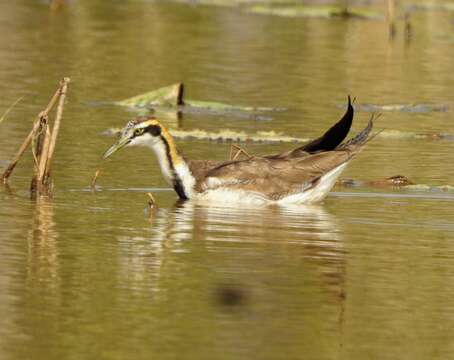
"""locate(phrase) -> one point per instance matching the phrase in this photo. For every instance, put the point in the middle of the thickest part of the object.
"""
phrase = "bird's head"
(141, 132)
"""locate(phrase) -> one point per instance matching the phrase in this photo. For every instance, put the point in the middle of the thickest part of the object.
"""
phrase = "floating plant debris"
(412, 108)
(225, 135)
(393, 181)
(327, 11)
(172, 98)
(166, 96)
(425, 187)
(397, 134)
(437, 6)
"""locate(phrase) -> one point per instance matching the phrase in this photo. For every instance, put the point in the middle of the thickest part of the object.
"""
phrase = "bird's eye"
(138, 132)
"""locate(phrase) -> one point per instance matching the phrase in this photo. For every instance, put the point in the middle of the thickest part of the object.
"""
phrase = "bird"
(304, 175)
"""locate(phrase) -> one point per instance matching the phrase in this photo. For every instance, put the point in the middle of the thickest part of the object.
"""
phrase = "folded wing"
(276, 178)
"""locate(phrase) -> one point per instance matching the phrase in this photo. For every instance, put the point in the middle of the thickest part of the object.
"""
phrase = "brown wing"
(274, 178)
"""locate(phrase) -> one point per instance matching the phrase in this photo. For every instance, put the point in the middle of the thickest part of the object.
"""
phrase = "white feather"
(160, 150)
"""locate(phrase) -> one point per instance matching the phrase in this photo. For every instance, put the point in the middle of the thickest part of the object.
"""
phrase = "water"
(366, 274)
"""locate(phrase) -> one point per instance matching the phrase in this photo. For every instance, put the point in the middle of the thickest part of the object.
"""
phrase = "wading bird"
(304, 175)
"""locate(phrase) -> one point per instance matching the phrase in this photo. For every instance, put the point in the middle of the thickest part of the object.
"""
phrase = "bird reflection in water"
(231, 243)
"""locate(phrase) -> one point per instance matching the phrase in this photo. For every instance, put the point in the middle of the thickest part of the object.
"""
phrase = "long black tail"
(334, 136)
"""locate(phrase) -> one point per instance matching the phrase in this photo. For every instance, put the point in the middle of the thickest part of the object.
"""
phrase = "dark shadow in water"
(230, 295)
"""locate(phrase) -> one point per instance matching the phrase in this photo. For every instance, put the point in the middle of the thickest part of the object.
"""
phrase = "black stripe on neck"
(177, 183)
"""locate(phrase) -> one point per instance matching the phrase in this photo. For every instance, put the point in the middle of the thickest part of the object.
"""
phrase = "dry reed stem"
(52, 102)
(42, 155)
(37, 143)
(40, 145)
(93, 182)
(53, 140)
(9, 170)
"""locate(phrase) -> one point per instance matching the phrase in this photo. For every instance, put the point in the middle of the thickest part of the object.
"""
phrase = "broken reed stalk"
(53, 139)
(43, 149)
(44, 141)
(9, 170)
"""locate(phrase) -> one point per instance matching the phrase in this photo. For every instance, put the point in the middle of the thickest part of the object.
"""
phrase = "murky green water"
(365, 275)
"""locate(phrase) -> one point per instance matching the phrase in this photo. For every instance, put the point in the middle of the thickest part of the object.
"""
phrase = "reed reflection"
(43, 264)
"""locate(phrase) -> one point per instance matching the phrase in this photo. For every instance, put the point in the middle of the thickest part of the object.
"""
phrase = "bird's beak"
(117, 146)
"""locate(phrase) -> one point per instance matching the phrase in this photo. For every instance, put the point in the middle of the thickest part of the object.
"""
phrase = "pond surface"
(368, 274)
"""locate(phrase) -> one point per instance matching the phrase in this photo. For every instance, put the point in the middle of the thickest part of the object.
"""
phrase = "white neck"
(174, 168)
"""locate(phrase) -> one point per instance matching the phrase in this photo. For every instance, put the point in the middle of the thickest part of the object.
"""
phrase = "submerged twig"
(93, 181)
(152, 206)
(3, 117)
(239, 151)
(151, 201)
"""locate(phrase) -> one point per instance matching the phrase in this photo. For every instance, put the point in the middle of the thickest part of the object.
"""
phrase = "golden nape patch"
(147, 122)
(175, 157)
